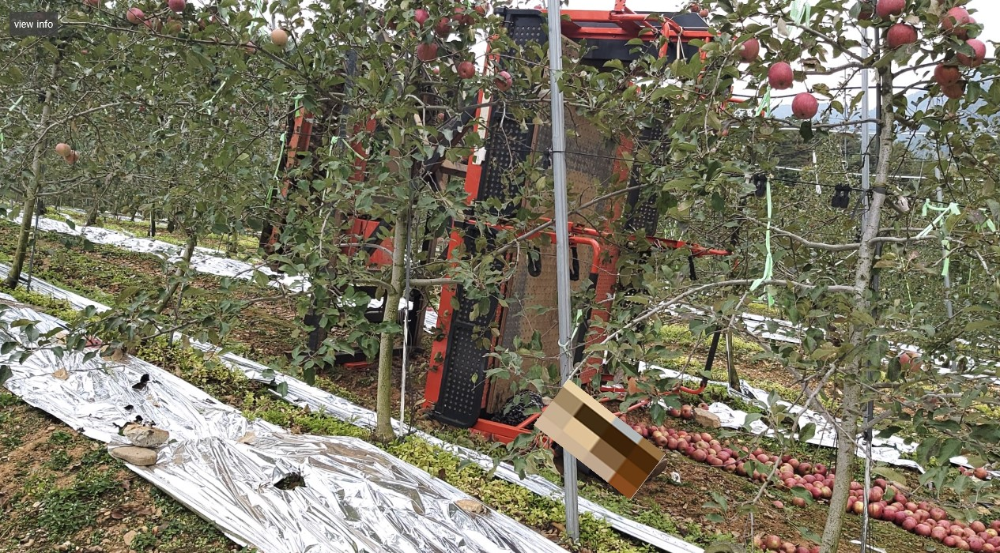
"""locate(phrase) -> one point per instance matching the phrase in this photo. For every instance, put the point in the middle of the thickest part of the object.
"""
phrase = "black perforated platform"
(640, 210)
(465, 364)
(508, 144)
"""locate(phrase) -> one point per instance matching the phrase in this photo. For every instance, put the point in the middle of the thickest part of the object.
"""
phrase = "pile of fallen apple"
(885, 501)
(955, 23)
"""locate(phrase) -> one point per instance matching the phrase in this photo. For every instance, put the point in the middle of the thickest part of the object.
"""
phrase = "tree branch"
(808, 243)
(663, 306)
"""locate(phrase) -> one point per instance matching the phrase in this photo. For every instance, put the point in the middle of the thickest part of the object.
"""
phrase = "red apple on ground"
(134, 15)
(875, 510)
(804, 106)
(888, 8)
(901, 34)
(177, 5)
(979, 49)
(780, 76)
(279, 37)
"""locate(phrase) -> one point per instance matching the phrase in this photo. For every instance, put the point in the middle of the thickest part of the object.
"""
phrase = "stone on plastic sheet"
(138, 456)
(706, 418)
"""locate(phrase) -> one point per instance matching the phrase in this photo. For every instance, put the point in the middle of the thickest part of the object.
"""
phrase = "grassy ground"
(60, 491)
(690, 509)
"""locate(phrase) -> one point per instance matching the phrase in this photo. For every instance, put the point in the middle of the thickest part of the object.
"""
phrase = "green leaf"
(806, 131)
(889, 474)
(7, 347)
(807, 432)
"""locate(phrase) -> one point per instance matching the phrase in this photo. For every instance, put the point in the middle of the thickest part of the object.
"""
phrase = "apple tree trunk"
(383, 404)
(853, 371)
(30, 196)
(189, 247)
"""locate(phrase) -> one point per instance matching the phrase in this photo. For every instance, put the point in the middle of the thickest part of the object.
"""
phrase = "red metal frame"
(618, 24)
(300, 140)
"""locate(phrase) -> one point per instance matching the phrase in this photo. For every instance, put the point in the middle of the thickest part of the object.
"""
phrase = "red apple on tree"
(279, 37)
(173, 26)
(901, 34)
(703, 13)
(888, 8)
(177, 5)
(979, 53)
(443, 27)
(427, 51)
(749, 50)
(63, 149)
(92, 3)
(466, 70)
(954, 90)
(421, 15)
(944, 75)
(956, 17)
(504, 81)
(804, 106)
(695, 7)
(780, 76)
(72, 157)
(134, 15)
(866, 10)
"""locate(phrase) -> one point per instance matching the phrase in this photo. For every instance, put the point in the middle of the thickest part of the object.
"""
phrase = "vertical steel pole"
(947, 277)
(866, 135)
(562, 248)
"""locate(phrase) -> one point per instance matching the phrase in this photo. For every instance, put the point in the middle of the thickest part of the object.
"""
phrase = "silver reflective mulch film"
(352, 496)
(301, 394)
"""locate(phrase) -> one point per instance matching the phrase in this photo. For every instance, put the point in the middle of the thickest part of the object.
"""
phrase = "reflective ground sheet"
(231, 471)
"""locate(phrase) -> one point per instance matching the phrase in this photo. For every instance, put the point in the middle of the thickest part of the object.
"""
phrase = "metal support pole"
(866, 135)
(34, 241)
(947, 277)
(562, 249)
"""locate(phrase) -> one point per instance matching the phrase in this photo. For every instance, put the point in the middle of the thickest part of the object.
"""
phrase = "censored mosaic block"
(604, 443)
